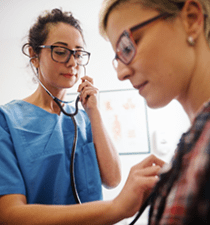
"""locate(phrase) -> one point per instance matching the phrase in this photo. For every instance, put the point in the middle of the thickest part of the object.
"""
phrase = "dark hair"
(39, 31)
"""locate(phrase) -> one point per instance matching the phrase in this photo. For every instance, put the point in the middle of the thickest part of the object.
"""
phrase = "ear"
(193, 17)
(34, 57)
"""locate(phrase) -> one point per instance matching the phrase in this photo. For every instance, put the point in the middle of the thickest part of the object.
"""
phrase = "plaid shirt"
(183, 195)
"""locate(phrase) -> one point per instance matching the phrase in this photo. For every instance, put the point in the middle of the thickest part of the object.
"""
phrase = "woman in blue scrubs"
(36, 140)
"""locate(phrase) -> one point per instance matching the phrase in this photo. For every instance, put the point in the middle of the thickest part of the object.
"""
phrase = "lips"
(141, 86)
(68, 75)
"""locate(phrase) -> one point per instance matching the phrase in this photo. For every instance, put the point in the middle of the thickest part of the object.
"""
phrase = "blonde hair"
(170, 6)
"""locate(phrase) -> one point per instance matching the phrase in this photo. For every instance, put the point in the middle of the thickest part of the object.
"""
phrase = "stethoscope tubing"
(143, 207)
(73, 182)
(63, 111)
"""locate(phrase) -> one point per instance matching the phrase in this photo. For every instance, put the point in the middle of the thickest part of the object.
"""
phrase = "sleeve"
(11, 180)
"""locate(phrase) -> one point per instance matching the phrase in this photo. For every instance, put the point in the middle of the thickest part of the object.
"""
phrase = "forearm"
(142, 177)
(107, 155)
(90, 213)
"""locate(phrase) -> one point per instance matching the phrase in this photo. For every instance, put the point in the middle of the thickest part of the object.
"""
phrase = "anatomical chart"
(125, 118)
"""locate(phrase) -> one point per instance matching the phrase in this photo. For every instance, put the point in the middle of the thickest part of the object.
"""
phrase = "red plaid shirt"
(187, 201)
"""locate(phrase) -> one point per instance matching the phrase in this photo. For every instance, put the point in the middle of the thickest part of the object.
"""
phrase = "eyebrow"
(65, 44)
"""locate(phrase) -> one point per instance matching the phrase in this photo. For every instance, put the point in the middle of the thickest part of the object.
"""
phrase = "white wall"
(17, 16)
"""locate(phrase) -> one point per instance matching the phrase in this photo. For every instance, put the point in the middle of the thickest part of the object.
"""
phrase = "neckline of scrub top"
(65, 105)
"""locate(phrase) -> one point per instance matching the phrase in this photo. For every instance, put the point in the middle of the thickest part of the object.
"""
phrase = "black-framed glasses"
(62, 55)
(126, 46)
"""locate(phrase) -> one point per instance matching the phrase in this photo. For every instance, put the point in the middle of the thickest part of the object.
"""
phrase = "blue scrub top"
(35, 152)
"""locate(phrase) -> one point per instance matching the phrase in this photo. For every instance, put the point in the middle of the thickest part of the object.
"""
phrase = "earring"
(191, 41)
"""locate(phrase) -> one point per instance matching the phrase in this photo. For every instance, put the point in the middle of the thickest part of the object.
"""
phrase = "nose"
(123, 71)
(72, 61)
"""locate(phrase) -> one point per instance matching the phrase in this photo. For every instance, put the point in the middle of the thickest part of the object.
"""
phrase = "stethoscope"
(143, 207)
(58, 102)
(72, 174)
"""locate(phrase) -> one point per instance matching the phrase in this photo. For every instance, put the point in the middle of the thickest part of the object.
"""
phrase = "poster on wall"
(125, 117)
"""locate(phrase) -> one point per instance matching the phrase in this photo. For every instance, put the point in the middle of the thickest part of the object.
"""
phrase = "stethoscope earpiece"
(34, 57)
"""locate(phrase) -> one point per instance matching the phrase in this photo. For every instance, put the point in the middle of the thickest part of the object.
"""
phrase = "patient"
(162, 48)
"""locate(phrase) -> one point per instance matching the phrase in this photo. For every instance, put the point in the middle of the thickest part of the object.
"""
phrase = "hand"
(88, 93)
(142, 178)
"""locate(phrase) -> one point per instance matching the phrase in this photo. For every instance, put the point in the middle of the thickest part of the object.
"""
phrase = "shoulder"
(198, 173)
(8, 111)
(195, 144)
(195, 148)
(199, 134)
(202, 118)
(19, 114)
(10, 105)
(14, 107)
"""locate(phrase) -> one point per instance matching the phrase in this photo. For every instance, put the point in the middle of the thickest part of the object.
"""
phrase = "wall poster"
(125, 117)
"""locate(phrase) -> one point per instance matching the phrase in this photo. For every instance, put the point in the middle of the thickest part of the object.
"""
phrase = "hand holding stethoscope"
(88, 94)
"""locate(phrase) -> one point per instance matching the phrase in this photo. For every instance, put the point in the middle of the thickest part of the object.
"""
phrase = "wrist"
(116, 212)
(93, 112)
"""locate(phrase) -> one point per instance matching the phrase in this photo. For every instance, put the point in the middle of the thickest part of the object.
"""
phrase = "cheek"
(163, 55)
(156, 66)
(81, 71)
(148, 59)
(47, 66)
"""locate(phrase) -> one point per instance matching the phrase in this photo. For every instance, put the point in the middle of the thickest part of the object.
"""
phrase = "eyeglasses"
(62, 55)
(126, 46)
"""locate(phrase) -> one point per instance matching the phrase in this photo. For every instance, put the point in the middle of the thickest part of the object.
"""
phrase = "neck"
(43, 100)
(198, 91)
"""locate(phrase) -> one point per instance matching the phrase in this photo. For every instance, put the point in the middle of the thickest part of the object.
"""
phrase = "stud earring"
(191, 41)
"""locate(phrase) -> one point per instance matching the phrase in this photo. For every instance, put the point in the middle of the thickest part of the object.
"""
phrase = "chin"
(70, 84)
(157, 103)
